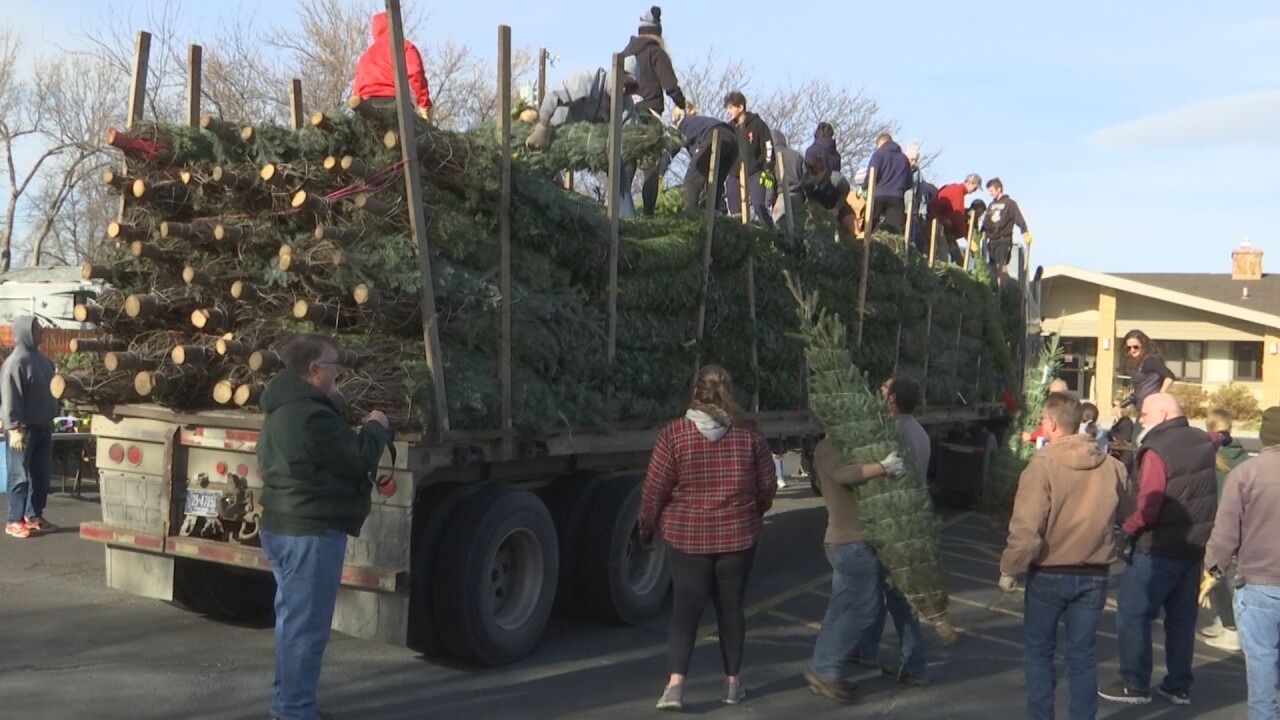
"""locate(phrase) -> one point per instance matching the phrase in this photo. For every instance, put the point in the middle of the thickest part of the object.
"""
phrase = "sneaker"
(17, 529)
(782, 484)
(1121, 693)
(1228, 640)
(734, 693)
(671, 698)
(1179, 697)
(1213, 629)
(833, 689)
(905, 678)
(39, 524)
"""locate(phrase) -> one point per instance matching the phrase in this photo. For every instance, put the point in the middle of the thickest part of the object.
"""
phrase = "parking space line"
(795, 619)
(956, 520)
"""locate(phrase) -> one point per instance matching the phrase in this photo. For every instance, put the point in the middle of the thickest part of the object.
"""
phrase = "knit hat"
(1270, 431)
(651, 22)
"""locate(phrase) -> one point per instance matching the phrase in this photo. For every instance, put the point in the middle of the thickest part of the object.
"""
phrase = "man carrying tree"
(699, 132)
(755, 160)
(1002, 215)
(1061, 535)
(375, 71)
(947, 207)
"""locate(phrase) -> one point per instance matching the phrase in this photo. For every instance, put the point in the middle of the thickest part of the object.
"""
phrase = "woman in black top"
(1148, 374)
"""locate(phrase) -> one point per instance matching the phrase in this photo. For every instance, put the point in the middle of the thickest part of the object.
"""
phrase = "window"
(1247, 359)
(1184, 358)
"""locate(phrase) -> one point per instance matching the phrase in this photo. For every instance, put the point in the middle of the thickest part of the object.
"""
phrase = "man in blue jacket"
(316, 487)
(28, 409)
(700, 136)
(888, 210)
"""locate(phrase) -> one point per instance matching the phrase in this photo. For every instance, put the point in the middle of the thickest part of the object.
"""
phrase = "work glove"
(17, 439)
(1026, 238)
(1207, 583)
(677, 114)
(892, 464)
(423, 113)
(973, 245)
(540, 138)
(766, 179)
(1008, 583)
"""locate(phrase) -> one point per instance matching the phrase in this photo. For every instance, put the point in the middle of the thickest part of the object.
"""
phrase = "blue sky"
(1135, 136)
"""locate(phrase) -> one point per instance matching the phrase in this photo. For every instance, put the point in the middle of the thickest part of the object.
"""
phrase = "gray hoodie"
(25, 399)
(582, 97)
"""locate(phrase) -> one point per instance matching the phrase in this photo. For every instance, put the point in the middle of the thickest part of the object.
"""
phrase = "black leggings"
(694, 578)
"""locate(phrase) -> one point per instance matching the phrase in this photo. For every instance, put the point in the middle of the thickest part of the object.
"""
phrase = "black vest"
(1191, 491)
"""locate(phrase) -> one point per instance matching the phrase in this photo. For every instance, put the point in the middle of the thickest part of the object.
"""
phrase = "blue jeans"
(308, 569)
(911, 658)
(28, 474)
(1258, 620)
(1049, 598)
(1150, 583)
(856, 602)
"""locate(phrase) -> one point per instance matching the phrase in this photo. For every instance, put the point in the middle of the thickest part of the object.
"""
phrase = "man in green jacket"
(316, 491)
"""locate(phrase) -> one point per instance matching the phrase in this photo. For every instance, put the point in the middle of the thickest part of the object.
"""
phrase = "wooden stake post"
(933, 239)
(751, 289)
(614, 190)
(195, 65)
(906, 237)
(714, 173)
(542, 76)
(866, 253)
(297, 116)
(504, 226)
(137, 100)
(790, 225)
(417, 214)
(968, 245)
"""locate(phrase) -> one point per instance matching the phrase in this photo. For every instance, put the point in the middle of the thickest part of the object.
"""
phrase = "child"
(1221, 633)
(1089, 425)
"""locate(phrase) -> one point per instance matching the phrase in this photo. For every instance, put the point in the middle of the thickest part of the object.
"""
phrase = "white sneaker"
(782, 484)
(1212, 630)
(1229, 640)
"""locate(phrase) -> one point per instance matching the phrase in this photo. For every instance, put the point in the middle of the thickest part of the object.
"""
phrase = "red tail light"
(242, 470)
(116, 453)
(220, 468)
(134, 455)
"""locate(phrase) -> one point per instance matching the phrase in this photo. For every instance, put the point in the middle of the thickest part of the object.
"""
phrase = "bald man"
(1166, 529)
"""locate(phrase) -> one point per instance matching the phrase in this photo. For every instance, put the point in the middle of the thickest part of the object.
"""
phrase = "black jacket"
(755, 144)
(1002, 215)
(1191, 492)
(654, 74)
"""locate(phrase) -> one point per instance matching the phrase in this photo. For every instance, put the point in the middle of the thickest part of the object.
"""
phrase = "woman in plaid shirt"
(710, 480)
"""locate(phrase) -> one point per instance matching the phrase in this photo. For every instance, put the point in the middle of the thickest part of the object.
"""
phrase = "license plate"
(203, 503)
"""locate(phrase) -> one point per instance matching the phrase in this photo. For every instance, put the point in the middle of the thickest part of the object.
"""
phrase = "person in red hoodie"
(376, 71)
(947, 207)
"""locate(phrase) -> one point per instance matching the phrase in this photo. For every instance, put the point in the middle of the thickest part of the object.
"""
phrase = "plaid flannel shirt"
(707, 496)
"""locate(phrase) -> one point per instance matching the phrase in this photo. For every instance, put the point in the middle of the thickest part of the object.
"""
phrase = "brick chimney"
(1246, 262)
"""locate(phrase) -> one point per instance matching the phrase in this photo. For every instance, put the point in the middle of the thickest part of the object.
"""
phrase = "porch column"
(1270, 368)
(1104, 376)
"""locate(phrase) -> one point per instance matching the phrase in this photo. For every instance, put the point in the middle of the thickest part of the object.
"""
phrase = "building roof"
(43, 273)
(1216, 293)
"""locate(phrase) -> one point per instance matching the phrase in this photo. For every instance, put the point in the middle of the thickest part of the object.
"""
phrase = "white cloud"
(1249, 118)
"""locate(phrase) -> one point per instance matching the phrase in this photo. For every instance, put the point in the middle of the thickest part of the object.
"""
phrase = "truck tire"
(433, 508)
(618, 582)
(495, 576)
(223, 592)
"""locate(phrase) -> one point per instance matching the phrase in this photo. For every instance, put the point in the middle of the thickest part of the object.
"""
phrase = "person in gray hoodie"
(28, 409)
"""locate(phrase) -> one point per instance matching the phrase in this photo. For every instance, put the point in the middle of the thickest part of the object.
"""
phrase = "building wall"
(1166, 321)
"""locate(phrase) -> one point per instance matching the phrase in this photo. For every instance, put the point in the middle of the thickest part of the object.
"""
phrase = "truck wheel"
(495, 579)
(618, 580)
(223, 592)
(433, 508)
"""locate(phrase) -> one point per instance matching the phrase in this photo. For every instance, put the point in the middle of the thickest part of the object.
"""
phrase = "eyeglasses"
(1132, 347)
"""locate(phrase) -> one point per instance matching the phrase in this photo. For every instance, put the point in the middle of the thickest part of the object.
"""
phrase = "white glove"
(1008, 583)
(540, 138)
(893, 464)
(677, 114)
(17, 439)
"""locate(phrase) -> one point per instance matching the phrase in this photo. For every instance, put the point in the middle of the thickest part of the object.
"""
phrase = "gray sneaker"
(734, 693)
(671, 698)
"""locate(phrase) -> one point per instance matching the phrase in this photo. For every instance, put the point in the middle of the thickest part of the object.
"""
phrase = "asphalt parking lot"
(75, 649)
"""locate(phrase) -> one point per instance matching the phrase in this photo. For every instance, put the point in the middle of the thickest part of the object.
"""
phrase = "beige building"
(1212, 328)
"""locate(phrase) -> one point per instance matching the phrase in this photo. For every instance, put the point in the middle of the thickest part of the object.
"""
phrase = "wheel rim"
(515, 579)
(644, 569)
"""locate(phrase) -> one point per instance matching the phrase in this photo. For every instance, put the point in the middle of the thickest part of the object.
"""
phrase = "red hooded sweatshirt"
(948, 206)
(376, 72)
